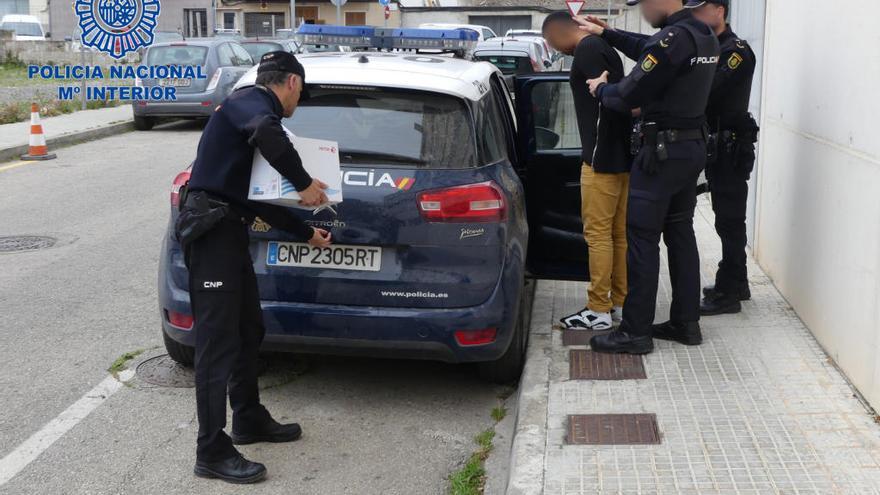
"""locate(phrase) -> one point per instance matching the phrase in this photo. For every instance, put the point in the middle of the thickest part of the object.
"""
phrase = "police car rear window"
(389, 127)
(177, 55)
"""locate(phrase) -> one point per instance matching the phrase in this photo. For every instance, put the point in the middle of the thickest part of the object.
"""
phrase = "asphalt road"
(69, 311)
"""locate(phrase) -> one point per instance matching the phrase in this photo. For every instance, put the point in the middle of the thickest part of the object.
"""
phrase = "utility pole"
(293, 16)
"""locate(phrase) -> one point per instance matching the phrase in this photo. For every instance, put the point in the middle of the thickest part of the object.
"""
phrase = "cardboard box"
(320, 159)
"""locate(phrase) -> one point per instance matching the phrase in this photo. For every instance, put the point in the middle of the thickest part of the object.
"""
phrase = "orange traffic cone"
(37, 149)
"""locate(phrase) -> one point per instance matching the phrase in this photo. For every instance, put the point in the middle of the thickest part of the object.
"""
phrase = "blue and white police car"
(453, 198)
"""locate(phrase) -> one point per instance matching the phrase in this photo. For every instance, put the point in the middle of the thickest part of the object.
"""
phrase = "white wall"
(818, 208)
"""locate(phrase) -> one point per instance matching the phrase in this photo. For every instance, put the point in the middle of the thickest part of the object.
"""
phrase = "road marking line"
(40, 441)
(17, 164)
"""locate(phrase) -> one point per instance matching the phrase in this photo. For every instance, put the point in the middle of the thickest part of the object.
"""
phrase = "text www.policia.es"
(420, 294)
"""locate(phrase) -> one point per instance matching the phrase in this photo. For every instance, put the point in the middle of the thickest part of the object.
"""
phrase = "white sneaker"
(617, 314)
(588, 320)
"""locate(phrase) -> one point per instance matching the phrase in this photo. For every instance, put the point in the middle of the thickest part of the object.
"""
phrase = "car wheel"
(180, 353)
(143, 123)
(509, 366)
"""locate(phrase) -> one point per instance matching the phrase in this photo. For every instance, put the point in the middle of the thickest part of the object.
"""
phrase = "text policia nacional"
(128, 78)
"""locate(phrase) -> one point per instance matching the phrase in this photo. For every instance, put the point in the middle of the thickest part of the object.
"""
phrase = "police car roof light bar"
(459, 41)
(353, 36)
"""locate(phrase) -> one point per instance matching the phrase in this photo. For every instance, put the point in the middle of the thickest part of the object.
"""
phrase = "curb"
(71, 138)
(526, 473)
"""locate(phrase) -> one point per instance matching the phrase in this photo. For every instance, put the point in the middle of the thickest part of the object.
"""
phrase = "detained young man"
(605, 173)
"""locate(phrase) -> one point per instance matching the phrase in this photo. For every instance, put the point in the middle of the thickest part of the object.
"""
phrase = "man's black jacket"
(249, 118)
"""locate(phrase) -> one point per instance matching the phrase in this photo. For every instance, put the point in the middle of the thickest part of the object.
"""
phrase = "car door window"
(491, 130)
(502, 101)
(240, 56)
(224, 54)
(554, 117)
(487, 34)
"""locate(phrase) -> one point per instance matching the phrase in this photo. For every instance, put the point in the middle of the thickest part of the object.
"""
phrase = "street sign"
(338, 3)
(574, 6)
(387, 12)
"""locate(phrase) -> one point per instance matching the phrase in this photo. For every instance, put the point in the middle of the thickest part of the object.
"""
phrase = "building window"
(307, 15)
(229, 20)
(195, 23)
(355, 18)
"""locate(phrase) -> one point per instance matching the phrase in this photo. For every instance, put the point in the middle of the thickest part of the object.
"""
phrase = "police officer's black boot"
(270, 431)
(720, 303)
(743, 293)
(235, 469)
(683, 332)
(621, 342)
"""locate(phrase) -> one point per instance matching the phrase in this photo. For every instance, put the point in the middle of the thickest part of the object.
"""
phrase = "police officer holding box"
(213, 230)
(671, 84)
(731, 157)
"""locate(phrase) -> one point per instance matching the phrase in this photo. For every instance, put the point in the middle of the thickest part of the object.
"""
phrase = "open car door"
(550, 169)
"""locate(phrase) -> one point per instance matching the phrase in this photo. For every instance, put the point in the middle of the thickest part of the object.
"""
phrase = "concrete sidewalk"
(759, 408)
(66, 129)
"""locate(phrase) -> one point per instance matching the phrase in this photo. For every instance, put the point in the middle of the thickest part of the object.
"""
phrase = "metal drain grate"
(613, 429)
(164, 372)
(21, 243)
(589, 365)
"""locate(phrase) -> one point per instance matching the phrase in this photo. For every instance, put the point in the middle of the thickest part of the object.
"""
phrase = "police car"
(453, 197)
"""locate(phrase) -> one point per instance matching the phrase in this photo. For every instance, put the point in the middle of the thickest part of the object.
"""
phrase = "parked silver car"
(258, 48)
(515, 57)
(222, 60)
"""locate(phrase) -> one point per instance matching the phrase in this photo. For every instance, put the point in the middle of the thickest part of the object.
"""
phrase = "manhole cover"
(589, 365)
(165, 372)
(613, 429)
(20, 243)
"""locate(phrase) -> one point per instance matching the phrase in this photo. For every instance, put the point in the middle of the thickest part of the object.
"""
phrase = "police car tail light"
(476, 337)
(215, 79)
(179, 320)
(483, 202)
(179, 181)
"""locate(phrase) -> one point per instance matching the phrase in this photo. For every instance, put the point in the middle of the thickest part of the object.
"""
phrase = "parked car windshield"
(177, 55)
(22, 28)
(410, 128)
(509, 64)
(258, 49)
(166, 36)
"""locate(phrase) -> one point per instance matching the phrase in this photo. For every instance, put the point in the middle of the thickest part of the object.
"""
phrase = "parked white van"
(25, 27)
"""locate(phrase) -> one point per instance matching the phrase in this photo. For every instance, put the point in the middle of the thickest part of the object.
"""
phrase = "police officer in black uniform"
(671, 84)
(731, 157)
(212, 228)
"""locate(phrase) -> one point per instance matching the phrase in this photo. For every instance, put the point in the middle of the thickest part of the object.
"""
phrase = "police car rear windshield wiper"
(346, 153)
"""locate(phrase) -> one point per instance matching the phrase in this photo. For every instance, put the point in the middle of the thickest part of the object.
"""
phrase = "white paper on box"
(320, 158)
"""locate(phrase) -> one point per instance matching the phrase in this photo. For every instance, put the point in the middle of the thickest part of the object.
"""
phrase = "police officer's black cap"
(282, 61)
(692, 4)
(632, 3)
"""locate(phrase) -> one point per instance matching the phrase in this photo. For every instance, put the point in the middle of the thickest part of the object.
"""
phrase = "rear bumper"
(186, 105)
(407, 333)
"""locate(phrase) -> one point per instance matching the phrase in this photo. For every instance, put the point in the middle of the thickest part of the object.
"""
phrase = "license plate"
(178, 83)
(337, 256)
